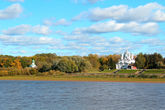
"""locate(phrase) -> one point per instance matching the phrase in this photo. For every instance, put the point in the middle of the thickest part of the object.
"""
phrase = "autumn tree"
(17, 64)
(94, 60)
(140, 61)
(25, 61)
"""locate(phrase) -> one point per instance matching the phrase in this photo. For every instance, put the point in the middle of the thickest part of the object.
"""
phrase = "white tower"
(33, 65)
(126, 59)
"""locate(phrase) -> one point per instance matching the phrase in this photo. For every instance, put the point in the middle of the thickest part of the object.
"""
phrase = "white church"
(126, 61)
(33, 65)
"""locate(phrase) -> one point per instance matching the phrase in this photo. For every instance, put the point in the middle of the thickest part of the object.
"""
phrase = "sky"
(81, 27)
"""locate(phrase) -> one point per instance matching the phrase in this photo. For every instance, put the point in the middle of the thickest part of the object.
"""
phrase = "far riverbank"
(84, 79)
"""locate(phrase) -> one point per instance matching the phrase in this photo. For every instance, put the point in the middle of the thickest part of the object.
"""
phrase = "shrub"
(33, 71)
(153, 76)
(103, 67)
(143, 76)
(14, 71)
(131, 76)
(68, 66)
(3, 73)
(53, 72)
(26, 71)
(44, 66)
(122, 76)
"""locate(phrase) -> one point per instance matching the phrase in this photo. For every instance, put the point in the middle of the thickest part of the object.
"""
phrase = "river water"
(49, 95)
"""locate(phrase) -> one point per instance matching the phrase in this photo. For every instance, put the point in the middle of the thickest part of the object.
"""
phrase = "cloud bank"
(13, 11)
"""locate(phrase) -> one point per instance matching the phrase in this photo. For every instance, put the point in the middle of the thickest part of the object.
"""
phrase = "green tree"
(44, 66)
(83, 64)
(153, 61)
(140, 61)
(25, 61)
(111, 63)
(68, 66)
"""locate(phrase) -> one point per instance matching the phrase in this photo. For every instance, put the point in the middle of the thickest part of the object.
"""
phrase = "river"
(52, 95)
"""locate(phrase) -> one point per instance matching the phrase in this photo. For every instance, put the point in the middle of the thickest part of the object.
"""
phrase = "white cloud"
(16, 0)
(77, 37)
(46, 40)
(39, 29)
(17, 30)
(149, 28)
(97, 44)
(59, 32)
(19, 52)
(11, 12)
(27, 40)
(61, 22)
(48, 22)
(116, 40)
(113, 12)
(159, 16)
(80, 16)
(85, 39)
(153, 42)
(151, 12)
(24, 29)
(23, 51)
(88, 40)
(112, 26)
(73, 46)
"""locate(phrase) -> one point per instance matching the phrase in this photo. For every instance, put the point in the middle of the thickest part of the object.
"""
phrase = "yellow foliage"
(17, 64)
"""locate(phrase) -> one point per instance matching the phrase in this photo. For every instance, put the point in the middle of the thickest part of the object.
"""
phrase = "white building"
(125, 61)
(33, 65)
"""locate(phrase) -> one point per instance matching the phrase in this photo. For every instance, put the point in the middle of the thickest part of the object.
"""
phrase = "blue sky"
(81, 27)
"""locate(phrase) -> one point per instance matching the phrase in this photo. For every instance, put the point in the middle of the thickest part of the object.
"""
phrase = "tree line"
(49, 62)
(150, 61)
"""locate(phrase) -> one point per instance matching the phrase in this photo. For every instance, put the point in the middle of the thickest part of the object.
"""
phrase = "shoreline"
(73, 79)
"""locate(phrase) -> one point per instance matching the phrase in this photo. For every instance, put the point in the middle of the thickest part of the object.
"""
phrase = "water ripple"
(41, 95)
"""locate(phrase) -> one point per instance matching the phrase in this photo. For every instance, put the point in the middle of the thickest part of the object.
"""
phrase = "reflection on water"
(40, 95)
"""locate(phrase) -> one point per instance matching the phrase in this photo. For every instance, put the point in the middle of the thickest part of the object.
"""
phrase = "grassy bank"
(148, 76)
(84, 78)
(154, 71)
